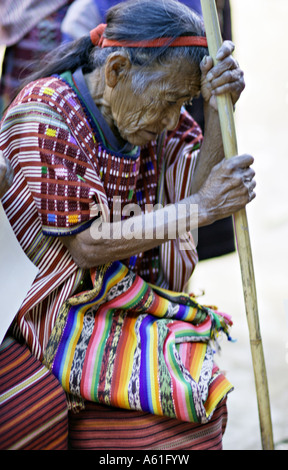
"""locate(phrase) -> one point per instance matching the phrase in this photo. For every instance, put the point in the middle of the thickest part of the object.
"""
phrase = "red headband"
(97, 39)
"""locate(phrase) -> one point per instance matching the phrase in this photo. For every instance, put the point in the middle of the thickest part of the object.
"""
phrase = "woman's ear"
(117, 66)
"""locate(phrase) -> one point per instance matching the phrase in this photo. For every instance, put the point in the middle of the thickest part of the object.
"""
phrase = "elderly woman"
(111, 177)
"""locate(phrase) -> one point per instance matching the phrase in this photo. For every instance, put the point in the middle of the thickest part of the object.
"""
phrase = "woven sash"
(135, 346)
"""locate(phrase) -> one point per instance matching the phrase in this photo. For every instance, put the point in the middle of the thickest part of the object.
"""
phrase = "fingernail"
(204, 60)
(209, 77)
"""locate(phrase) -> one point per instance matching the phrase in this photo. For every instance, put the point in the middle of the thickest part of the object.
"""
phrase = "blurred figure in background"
(77, 22)
(28, 30)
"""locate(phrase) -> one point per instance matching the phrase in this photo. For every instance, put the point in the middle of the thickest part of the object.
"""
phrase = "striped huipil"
(64, 171)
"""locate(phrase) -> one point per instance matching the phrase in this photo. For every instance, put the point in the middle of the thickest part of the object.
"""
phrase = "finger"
(225, 50)
(239, 161)
(206, 64)
(234, 90)
(250, 190)
(2, 159)
(230, 78)
(244, 192)
(248, 175)
(219, 69)
(9, 174)
(6, 175)
(3, 168)
(250, 185)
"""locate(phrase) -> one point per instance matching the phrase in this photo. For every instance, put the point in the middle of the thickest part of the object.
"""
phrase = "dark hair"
(68, 56)
(131, 20)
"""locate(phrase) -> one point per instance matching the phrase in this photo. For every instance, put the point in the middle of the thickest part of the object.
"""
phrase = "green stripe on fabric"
(23, 385)
(100, 352)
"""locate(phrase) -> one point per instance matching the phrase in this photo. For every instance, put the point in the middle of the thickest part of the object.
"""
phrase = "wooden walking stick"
(226, 118)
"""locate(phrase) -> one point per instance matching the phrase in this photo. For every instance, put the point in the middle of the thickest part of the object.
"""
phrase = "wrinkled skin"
(225, 77)
(6, 175)
(229, 185)
(141, 115)
(137, 111)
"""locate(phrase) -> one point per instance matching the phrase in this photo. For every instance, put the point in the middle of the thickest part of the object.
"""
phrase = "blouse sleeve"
(64, 181)
(181, 153)
(178, 257)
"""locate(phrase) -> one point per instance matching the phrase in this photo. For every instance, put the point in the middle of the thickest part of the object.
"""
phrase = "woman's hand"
(224, 77)
(229, 187)
(6, 175)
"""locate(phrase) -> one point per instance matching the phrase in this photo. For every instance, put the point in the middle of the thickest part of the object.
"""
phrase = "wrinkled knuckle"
(239, 181)
(229, 164)
(220, 170)
(232, 63)
(230, 76)
(228, 45)
(240, 77)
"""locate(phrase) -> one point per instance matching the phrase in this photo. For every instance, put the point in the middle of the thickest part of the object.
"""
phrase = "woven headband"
(98, 39)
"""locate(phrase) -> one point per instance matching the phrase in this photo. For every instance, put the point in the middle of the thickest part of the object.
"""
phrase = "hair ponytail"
(68, 56)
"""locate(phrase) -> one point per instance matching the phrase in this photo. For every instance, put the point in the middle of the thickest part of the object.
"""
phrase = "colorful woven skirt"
(103, 428)
(131, 345)
(33, 406)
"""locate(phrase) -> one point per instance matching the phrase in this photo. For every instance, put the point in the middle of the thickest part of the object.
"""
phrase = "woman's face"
(148, 100)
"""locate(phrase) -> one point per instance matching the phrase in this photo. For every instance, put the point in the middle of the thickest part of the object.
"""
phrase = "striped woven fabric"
(134, 346)
(33, 407)
(63, 172)
(107, 428)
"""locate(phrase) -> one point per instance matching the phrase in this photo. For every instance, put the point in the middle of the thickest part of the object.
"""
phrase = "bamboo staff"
(226, 117)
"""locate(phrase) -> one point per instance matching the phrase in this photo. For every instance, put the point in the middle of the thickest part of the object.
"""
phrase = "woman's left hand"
(6, 175)
(224, 77)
